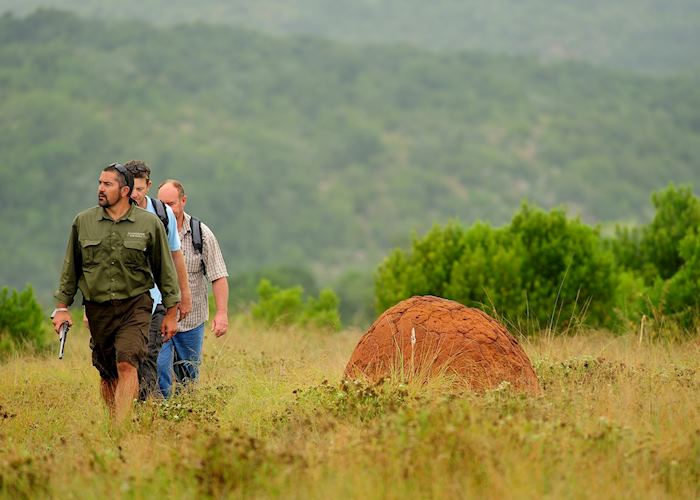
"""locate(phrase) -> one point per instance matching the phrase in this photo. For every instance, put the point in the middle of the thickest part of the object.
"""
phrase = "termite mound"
(425, 336)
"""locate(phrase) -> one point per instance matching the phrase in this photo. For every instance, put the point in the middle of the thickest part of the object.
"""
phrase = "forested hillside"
(303, 151)
(643, 35)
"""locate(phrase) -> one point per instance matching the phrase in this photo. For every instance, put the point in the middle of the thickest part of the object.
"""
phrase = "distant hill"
(303, 151)
(643, 35)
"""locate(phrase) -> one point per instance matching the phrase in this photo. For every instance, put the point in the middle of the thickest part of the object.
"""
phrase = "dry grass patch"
(272, 418)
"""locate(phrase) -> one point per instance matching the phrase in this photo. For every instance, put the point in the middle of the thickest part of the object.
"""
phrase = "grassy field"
(271, 418)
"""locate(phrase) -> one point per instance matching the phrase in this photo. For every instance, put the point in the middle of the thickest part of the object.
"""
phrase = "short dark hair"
(139, 169)
(124, 177)
(118, 169)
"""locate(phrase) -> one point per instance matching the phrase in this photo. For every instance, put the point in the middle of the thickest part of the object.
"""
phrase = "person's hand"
(185, 306)
(169, 326)
(220, 324)
(60, 318)
(86, 323)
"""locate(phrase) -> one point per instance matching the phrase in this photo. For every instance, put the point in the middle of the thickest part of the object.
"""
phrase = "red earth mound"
(425, 336)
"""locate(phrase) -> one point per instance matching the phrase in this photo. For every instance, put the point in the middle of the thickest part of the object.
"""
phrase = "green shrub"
(677, 214)
(244, 286)
(425, 271)
(630, 302)
(654, 250)
(683, 295)
(286, 307)
(322, 312)
(543, 269)
(22, 321)
(660, 263)
(488, 272)
(567, 272)
(546, 270)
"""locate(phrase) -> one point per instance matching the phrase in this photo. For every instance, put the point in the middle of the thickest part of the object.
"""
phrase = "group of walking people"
(143, 266)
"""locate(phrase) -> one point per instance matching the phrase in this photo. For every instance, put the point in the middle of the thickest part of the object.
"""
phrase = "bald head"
(172, 194)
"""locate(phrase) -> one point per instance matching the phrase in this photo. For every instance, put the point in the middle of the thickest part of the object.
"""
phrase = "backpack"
(197, 242)
(161, 212)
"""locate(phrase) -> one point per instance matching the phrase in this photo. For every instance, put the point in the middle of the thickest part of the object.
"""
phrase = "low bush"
(22, 321)
(244, 286)
(287, 307)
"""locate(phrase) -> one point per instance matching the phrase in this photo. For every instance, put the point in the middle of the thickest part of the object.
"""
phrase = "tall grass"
(271, 418)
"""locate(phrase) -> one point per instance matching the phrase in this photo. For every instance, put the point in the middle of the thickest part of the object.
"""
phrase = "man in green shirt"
(115, 253)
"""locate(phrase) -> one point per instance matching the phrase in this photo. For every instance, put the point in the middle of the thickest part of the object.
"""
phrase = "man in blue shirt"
(148, 378)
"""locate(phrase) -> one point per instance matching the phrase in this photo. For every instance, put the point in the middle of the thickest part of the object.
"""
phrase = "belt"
(114, 302)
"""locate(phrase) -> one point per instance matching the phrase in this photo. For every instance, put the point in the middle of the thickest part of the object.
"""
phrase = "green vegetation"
(355, 290)
(306, 153)
(22, 321)
(662, 260)
(541, 269)
(287, 307)
(617, 419)
(545, 270)
(646, 35)
(311, 159)
(243, 287)
(655, 250)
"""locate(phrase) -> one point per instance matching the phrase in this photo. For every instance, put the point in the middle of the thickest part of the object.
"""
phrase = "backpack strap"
(161, 212)
(196, 228)
(197, 241)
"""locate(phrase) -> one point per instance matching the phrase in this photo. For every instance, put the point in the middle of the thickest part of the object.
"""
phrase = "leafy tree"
(625, 246)
(659, 262)
(677, 216)
(566, 271)
(488, 273)
(543, 269)
(683, 296)
(425, 271)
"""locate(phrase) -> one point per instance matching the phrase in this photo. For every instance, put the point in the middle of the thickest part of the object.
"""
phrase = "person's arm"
(185, 306)
(220, 324)
(68, 286)
(217, 273)
(165, 277)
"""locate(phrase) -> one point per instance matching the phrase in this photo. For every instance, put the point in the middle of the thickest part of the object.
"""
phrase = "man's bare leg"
(107, 388)
(126, 391)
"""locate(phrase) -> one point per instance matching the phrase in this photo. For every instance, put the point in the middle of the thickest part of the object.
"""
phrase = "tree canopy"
(657, 36)
(302, 151)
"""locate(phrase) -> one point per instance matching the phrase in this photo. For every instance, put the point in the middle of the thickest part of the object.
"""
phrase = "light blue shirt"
(173, 243)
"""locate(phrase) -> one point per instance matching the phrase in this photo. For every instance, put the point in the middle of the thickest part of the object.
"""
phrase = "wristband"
(57, 310)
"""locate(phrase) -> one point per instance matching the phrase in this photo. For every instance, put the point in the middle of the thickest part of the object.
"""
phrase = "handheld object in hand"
(62, 336)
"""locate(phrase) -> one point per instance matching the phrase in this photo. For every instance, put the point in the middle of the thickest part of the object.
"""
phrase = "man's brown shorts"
(118, 332)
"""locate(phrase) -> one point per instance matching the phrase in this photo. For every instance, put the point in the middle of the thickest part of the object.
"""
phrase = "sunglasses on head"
(128, 178)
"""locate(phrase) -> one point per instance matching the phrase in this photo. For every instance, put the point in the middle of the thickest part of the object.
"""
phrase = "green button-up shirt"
(113, 260)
